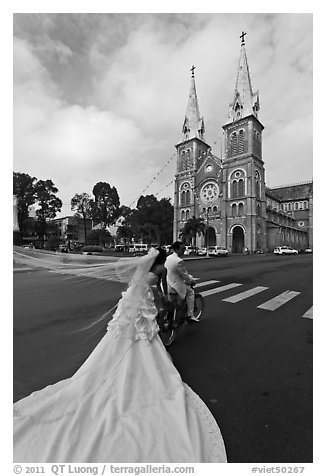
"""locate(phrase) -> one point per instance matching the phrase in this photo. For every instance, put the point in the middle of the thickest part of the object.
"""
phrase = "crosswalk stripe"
(308, 314)
(245, 294)
(205, 283)
(278, 301)
(220, 289)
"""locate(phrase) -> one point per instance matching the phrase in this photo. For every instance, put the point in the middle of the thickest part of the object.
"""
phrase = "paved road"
(252, 366)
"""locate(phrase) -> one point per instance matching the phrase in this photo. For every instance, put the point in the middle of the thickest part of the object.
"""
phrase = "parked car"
(303, 251)
(217, 251)
(202, 251)
(63, 248)
(119, 248)
(138, 248)
(284, 250)
(190, 250)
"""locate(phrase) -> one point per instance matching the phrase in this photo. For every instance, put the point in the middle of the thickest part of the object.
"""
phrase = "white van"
(138, 248)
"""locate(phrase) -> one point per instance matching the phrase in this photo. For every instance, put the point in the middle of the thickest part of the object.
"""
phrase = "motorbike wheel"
(167, 333)
(199, 306)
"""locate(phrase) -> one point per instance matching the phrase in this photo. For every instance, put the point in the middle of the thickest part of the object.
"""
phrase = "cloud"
(54, 139)
(103, 96)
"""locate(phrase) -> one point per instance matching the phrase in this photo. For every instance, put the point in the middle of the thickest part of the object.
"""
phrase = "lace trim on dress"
(215, 436)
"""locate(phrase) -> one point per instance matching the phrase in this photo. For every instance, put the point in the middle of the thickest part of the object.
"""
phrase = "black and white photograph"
(162, 240)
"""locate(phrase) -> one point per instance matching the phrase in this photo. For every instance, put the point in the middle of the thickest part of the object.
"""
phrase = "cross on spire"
(192, 69)
(242, 37)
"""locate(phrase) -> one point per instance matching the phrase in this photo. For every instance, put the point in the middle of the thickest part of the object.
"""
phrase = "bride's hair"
(161, 257)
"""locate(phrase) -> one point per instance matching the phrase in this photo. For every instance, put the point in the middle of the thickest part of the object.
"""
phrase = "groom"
(179, 280)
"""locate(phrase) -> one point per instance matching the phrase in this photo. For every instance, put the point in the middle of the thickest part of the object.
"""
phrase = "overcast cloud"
(102, 97)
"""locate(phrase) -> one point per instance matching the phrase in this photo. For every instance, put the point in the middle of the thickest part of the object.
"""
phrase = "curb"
(15, 270)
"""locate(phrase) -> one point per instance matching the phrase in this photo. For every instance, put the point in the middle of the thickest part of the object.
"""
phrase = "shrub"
(92, 248)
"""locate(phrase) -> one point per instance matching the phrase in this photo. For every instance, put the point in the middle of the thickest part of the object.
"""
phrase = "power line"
(153, 180)
(166, 186)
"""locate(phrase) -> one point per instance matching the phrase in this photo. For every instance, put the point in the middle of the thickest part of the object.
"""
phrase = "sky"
(102, 97)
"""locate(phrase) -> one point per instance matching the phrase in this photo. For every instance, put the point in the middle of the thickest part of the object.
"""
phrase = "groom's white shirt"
(177, 275)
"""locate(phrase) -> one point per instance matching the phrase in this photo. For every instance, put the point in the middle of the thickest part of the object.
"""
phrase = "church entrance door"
(211, 237)
(237, 240)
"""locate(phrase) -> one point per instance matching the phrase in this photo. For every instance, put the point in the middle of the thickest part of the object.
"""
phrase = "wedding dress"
(126, 403)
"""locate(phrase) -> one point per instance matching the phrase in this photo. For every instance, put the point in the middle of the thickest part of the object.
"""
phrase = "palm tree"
(193, 227)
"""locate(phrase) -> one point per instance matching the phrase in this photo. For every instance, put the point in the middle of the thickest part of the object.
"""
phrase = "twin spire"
(245, 102)
(193, 125)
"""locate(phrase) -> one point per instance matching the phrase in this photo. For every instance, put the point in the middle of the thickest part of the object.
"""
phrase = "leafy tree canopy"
(23, 188)
(106, 207)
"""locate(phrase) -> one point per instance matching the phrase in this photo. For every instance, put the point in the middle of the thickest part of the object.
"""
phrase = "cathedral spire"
(245, 102)
(193, 125)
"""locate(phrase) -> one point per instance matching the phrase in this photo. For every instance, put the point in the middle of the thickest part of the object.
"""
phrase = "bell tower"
(244, 217)
(191, 153)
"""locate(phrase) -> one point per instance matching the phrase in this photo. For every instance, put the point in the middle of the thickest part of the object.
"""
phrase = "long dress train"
(126, 403)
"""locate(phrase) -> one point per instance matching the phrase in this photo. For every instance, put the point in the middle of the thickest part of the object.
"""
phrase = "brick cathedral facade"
(230, 193)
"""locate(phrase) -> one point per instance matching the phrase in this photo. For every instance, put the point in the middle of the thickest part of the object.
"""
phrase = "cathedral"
(229, 193)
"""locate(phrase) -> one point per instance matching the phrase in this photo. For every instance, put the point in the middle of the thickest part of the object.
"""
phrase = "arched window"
(296, 205)
(234, 192)
(233, 143)
(234, 210)
(305, 205)
(241, 188)
(241, 141)
(259, 144)
(185, 194)
(241, 209)
(183, 215)
(188, 159)
(258, 210)
(188, 197)
(215, 209)
(183, 160)
(285, 207)
(187, 214)
(300, 206)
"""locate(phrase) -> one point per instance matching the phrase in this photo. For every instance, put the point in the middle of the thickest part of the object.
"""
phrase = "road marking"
(279, 300)
(245, 294)
(220, 289)
(308, 314)
(205, 283)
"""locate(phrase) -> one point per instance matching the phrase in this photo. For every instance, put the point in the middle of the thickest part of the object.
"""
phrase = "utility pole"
(207, 231)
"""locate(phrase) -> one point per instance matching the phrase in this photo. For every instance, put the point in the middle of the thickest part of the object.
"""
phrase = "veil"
(79, 297)
(124, 270)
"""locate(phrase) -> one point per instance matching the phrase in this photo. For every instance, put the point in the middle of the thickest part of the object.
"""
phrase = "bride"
(127, 402)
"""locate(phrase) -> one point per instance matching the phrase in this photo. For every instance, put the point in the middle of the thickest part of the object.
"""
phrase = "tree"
(125, 233)
(155, 214)
(83, 205)
(23, 188)
(49, 204)
(193, 227)
(106, 208)
(166, 213)
(125, 211)
(149, 233)
(99, 237)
